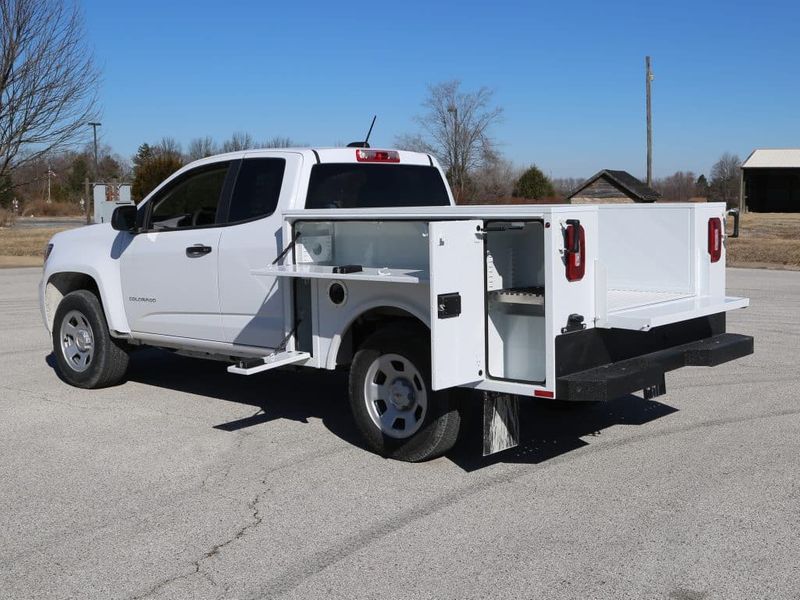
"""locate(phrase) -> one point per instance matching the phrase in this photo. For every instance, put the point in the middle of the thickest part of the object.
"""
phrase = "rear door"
(252, 306)
(456, 303)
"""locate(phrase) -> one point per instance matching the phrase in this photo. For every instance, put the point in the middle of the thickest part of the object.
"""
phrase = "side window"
(192, 201)
(258, 186)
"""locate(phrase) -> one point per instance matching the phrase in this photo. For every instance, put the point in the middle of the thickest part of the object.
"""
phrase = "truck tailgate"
(651, 312)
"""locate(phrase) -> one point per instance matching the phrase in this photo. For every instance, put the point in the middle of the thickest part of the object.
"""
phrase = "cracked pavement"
(187, 482)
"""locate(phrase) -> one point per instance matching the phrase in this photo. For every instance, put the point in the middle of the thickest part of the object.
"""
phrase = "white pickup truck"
(358, 258)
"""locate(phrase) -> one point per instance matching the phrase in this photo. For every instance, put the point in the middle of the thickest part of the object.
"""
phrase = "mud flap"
(500, 422)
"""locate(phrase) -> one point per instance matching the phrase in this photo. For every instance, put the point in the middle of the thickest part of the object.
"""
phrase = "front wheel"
(87, 356)
(391, 399)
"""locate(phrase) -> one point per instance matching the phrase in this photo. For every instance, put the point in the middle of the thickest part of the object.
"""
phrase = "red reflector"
(715, 239)
(543, 394)
(575, 250)
(390, 156)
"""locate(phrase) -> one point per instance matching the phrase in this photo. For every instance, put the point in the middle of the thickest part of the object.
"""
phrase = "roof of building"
(624, 182)
(773, 158)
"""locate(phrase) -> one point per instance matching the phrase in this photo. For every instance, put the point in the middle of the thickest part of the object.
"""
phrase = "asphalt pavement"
(187, 482)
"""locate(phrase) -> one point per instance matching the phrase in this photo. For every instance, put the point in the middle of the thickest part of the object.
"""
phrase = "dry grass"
(766, 240)
(40, 208)
(25, 241)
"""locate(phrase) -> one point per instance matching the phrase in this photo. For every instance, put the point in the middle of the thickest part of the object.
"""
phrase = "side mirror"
(124, 219)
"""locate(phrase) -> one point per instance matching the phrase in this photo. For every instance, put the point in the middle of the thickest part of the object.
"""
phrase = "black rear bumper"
(615, 379)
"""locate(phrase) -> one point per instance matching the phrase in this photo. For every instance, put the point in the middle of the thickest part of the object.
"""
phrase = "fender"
(93, 251)
(417, 310)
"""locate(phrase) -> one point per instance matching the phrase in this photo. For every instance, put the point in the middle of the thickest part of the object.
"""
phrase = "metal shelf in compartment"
(521, 295)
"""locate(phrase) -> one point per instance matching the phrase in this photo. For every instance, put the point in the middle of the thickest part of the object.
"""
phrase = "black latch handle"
(197, 250)
(576, 238)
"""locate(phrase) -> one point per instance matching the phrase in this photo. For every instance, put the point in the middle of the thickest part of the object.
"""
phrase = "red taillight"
(575, 250)
(715, 239)
(390, 156)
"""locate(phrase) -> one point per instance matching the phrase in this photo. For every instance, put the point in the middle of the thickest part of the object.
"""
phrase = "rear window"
(344, 185)
(257, 189)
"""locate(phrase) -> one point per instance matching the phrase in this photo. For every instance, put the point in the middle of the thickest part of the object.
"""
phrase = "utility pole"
(95, 125)
(90, 188)
(87, 190)
(648, 79)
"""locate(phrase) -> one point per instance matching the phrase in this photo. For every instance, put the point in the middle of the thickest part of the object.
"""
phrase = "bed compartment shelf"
(524, 295)
(326, 272)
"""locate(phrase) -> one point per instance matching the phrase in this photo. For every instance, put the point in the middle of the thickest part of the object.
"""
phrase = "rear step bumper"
(647, 371)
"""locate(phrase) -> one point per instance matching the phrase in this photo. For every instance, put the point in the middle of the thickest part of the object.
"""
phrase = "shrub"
(533, 184)
(5, 217)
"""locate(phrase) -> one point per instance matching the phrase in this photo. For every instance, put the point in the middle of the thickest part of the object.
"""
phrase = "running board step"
(251, 366)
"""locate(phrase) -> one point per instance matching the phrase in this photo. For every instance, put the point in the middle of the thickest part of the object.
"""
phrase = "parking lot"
(187, 482)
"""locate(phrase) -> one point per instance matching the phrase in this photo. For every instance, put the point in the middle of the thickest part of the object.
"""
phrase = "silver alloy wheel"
(77, 340)
(395, 395)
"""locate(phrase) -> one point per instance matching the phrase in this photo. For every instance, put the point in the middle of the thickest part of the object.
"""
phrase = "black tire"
(108, 358)
(438, 425)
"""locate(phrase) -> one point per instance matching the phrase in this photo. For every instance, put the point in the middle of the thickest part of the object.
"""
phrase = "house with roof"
(609, 187)
(770, 180)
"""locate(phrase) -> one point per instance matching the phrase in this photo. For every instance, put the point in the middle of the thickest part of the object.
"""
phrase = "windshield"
(353, 185)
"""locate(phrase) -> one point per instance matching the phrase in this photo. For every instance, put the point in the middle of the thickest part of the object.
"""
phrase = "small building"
(608, 187)
(770, 180)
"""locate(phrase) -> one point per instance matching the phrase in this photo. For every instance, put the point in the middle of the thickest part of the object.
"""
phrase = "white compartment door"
(457, 303)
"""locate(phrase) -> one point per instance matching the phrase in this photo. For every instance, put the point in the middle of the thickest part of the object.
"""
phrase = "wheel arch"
(365, 321)
(61, 283)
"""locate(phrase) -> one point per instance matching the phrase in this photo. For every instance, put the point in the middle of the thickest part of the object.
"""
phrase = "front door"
(170, 271)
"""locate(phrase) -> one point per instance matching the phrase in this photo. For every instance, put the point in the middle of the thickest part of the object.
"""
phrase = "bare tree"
(725, 179)
(48, 80)
(492, 183)
(565, 185)
(678, 187)
(200, 148)
(280, 141)
(238, 141)
(456, 128)
(169, 146)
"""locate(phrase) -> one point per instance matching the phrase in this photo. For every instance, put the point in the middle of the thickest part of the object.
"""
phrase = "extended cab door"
(457, 303)
(169, 272)
(252, 306)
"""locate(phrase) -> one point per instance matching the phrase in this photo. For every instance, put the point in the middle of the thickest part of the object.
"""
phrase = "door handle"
(197, 250)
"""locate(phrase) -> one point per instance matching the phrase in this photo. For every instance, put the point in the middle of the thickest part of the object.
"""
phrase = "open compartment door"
(457, 303)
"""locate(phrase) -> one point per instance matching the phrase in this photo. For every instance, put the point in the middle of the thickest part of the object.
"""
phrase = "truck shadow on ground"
(547, 429)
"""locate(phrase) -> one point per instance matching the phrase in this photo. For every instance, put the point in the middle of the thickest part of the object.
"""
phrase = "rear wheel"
(87, 356)
(392, 402)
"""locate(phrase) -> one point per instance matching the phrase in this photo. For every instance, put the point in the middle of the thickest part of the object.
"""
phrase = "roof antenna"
(365, 143)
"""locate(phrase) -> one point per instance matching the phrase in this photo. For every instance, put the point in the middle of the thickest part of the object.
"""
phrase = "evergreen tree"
(701, 187)
(151, 166)
(533, 183)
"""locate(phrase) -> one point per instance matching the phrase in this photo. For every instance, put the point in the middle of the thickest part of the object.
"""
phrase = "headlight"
(47, 250)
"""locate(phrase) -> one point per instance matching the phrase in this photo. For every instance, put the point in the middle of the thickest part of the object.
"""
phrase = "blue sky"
(569, 75)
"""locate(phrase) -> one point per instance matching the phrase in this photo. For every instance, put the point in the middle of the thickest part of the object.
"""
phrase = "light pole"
(49, 175)
(453, 110)
(648, 80)
(94, 126)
